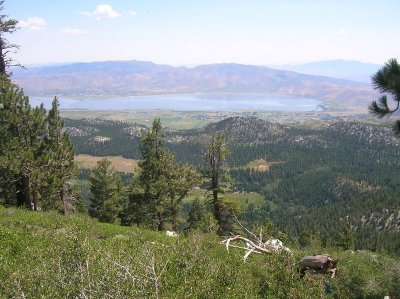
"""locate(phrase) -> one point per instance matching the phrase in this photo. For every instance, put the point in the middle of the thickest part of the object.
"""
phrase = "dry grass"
(259, 165)
(120, 163)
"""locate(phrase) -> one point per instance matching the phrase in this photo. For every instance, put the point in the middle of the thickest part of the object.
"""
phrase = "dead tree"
(318, 264)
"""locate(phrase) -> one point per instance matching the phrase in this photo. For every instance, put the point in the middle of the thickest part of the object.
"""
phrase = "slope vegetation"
(46, 255)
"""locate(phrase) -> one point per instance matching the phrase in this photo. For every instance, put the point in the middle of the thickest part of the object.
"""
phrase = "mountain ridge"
(128, 78)
(352, 70)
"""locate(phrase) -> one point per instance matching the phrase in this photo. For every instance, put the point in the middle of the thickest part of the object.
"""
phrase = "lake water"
(191, 102)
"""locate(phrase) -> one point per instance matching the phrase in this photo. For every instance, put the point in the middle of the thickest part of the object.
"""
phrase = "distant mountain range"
(123, 78)
(341, 69)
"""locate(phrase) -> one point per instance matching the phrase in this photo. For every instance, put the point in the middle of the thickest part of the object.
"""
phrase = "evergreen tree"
(180, 181)
(106, 187)
(159, 185)
(200, 217)
(345, 238)
(36, 156)
(387, 80)
(22, 130)
(7, 26)
(60, 156)
(196, 214)
(155, 168)
(217, 175)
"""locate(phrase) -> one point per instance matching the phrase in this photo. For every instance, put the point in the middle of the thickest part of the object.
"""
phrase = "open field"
(173, 119)
(120, 164)
(182, 120)
(259, 165)
(243, 199)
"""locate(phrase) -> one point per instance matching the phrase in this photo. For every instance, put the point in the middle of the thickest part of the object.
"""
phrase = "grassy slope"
(46, 255)
(258, 165)
(120, 163)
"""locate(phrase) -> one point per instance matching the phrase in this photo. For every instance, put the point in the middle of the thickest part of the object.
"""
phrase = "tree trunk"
(27, 193)
(217, 211)
(160, 222)
(316, 262)
(2, 60)
(23, 192)
(35, 200)
(174, 220)
(63, 202)
(6, 195)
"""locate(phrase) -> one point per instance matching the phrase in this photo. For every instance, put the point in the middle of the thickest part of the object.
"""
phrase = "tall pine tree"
(33, 151)
(60, 156)
(36, 156)
(22, 131)
(150, 186)
(217, 175)
(7, 26)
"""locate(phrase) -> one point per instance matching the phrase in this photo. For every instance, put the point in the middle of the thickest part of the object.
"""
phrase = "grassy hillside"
(46, 255)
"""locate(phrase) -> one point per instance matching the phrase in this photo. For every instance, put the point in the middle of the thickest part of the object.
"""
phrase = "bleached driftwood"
(318, 264)
(258, 246)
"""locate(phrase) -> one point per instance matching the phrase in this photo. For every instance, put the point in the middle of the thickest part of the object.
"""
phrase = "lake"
(191, 102)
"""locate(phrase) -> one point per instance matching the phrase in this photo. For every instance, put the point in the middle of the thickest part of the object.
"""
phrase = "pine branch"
(381, 108)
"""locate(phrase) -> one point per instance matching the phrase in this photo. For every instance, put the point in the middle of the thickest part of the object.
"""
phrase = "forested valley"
(340, 178)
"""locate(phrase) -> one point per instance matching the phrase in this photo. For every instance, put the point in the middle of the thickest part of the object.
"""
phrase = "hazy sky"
(191, 32)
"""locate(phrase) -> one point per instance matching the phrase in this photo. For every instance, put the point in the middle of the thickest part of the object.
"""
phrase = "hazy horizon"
(190, 33)
(60, 63)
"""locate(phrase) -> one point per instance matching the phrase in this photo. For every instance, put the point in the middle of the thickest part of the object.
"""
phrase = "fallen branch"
(269, 247)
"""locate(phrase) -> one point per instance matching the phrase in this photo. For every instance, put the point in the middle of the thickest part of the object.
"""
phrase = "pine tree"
(60, 156)
(345, 238)
(36, 156)
(159, 185)
(106, 187)
(7, 26)
(217, 174)
(200, 218)
(387, 80)
(22, 131)
(151, 182)
(181, 181)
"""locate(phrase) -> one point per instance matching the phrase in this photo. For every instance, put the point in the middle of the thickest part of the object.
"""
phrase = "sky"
(193, 32)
